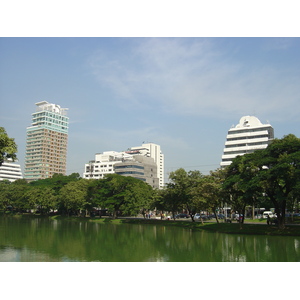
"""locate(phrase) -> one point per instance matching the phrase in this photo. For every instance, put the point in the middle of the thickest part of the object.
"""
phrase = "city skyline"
(180, 93)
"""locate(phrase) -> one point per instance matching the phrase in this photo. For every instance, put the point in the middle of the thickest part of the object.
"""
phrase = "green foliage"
(8, 147)
(123, 194)
(273, 172)
(74, 195)
(42, 199)
(182, 192)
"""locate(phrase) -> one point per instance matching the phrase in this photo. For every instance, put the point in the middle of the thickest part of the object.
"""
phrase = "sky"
(125, 82)
(181, 93)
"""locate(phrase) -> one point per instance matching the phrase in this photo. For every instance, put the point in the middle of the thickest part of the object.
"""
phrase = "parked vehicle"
(268, 213)
(181, 216)
(197, 216)
(204, 217)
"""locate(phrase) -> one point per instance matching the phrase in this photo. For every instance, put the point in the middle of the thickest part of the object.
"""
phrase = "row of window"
(129, 166)
(238, 152)
(248, 137)
(247, 130)
(130, 172)
(50, 115)
(246, 144)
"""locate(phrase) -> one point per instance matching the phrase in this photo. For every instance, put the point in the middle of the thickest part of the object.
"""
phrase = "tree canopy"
(273, 172)
(8, 147)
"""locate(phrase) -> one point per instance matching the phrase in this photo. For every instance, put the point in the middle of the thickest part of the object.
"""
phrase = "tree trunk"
(216, 216)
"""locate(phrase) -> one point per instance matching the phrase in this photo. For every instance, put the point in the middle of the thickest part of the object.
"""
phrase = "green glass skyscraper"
(47, 140)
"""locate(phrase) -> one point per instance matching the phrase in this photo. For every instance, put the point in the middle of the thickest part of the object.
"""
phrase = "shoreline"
(247, 228)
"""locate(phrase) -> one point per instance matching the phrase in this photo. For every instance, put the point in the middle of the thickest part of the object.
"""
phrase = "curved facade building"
(145, 163)
(246, 137)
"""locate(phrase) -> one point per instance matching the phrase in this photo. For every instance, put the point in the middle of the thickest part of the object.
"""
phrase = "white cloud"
(192, 76)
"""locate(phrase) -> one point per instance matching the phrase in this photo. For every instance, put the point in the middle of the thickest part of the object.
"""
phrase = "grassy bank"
(230, 228)
(255, 228)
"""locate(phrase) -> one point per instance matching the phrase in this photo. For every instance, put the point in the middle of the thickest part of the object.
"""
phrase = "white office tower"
(154, 151)
(246, 137)
(10, 170)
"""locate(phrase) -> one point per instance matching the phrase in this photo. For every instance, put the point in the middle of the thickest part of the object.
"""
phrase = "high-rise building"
(47, 139)
(246, 137)
(10, 170)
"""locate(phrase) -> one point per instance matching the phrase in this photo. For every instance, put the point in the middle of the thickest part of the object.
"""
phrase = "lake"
(46, 240)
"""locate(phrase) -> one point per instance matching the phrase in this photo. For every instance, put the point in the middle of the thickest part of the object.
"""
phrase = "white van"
(267, 213)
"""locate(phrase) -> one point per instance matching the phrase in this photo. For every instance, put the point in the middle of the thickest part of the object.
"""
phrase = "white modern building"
(10, 170)
(154, 151)
(145, 163)
(246, 137)
(104, 164)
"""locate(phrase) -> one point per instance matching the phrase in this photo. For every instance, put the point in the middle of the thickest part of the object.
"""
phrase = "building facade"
(11, 171)
(154, 151)
(122, 163)
(140, 167)
(145, 162)
(246, 137)
(47, 140)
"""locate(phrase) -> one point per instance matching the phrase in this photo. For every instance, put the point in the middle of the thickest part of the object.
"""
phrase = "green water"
(43, 240)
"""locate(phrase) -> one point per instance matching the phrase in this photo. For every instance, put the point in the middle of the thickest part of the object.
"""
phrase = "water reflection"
(52, 240)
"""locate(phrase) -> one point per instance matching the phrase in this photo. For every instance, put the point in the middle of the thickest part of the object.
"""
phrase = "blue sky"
(181, 93)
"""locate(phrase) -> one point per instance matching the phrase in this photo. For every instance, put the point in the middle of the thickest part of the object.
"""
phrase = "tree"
(169, 200)
(241, 185)
(19, 201)
(122, 194)
(182, 191)
(274, 172)
(41, 199)
(74, 196)
(279, 174)
(139, 198)
(178, 189)
(196, 202)
(211, 190)
(8, 147)
(5, 195)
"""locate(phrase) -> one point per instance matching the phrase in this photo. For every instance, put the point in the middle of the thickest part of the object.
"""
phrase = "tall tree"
(5, 195)
(211, 190)
(182, 191)
(74, 196)
(8, 147)
(274, 172)
(139, 198)
(41, 199)
(241, 185)
(122, 194)
(279, 174)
